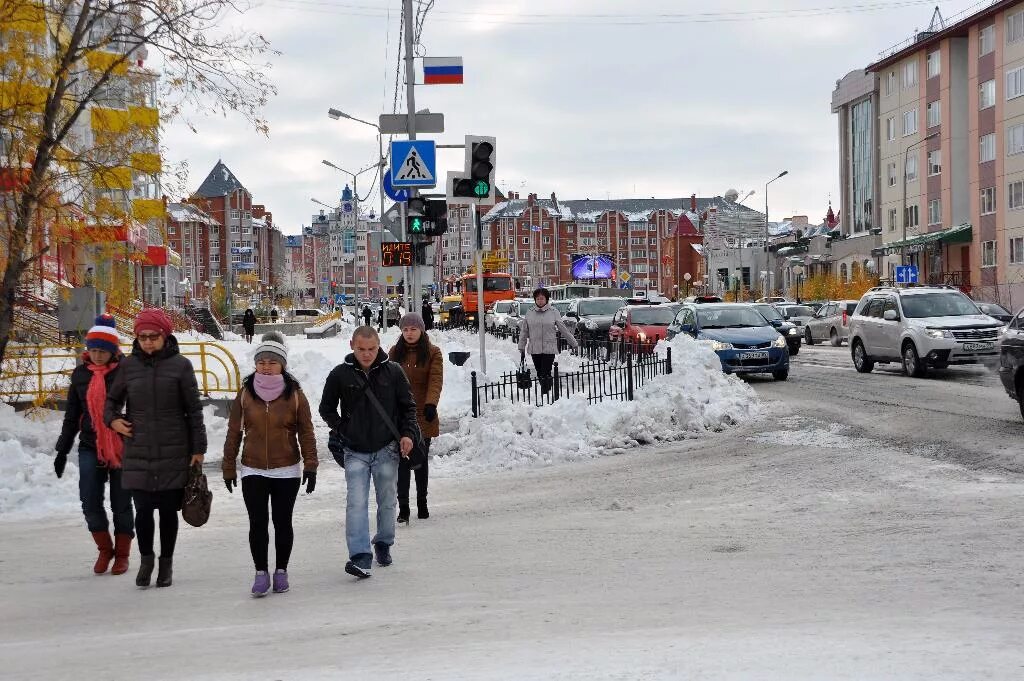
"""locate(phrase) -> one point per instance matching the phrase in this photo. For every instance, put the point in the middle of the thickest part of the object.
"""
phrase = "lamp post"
(906, 156)
(766, 265)
(336, 115)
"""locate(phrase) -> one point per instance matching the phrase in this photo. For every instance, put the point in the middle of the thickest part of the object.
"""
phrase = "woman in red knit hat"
(163, 435)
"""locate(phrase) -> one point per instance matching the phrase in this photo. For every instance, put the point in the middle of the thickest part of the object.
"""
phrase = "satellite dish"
(731, 195)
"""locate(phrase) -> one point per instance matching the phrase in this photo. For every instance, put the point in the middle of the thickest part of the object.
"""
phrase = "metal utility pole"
(411, 282)
(906, 154)
(478, 238)
(764, 285)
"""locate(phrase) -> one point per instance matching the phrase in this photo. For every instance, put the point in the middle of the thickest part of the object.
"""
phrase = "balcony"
(961, 279)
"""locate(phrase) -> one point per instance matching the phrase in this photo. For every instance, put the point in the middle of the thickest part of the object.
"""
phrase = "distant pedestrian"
(539, 330)
(427, 312)
(164, 435)
(273, 315)
(100, 449)
(249, 324)
(423, 365)
(370, 449)
(381, 317)
(367, 315)
(272, 414)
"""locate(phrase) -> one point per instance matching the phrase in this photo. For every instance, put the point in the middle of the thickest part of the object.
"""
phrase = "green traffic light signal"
(481, 188)
(416, 225)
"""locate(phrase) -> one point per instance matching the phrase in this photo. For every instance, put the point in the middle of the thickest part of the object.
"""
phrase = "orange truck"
(497, 286)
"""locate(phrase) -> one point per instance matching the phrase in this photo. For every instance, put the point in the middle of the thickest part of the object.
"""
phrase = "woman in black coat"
(163, 435)
(249, 324)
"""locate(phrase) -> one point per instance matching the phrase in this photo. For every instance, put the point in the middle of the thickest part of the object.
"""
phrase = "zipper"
(266, 436)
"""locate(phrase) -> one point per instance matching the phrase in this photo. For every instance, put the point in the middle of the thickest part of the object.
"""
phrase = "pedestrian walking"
(427, 312)
(163, 435)
(424, 367)
(272, 414)
(539, 330)
(367, 315)
(367, 401)
(249, 324)
(381, 316)
(100, 449)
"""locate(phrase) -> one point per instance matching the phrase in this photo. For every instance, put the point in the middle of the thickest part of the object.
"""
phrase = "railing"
(41, 373)
(961, 279)
(615, 350)
(598, 381)
(951, 21)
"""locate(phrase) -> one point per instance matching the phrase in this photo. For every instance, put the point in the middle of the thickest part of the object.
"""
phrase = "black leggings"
(421, 478)
(168, 502)
(280, 492)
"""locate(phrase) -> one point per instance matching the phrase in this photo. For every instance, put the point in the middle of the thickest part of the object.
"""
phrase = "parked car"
(590, 318)
(1011, 359)
(743, 339)
(831, 322)
(774, 300)
(996, 311)
(448, 303)
(503, 315)
(786, 329)
(702, 299)
(798, 314)
(640, 325)
(922, 327)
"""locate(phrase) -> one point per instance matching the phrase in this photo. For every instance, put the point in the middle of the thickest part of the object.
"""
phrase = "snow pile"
(28, 485)
(695, 399)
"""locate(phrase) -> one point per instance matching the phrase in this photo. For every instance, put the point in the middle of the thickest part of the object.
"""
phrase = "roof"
(186, 212)
(589, 210)
(219, 182)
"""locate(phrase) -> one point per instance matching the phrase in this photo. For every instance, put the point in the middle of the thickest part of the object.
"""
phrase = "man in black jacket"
(371, 449)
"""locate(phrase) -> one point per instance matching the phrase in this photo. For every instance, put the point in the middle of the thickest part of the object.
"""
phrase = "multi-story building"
(196, 236)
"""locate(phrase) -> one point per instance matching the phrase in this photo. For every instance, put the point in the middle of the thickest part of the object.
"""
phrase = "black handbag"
(524, 381)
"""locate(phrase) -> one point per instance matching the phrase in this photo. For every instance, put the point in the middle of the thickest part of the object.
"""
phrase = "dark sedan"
(996, 311)
(786, 329)
(1011, 359)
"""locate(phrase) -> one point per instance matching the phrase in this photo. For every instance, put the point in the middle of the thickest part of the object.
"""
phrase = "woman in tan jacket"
(273, 414)
(423, 366)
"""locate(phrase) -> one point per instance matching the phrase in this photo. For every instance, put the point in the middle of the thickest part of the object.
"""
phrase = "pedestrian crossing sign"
(413, 163)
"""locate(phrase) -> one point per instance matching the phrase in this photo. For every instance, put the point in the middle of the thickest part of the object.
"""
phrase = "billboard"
(589, 266)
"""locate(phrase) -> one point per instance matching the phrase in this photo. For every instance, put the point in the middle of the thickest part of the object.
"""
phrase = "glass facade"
(861, 164)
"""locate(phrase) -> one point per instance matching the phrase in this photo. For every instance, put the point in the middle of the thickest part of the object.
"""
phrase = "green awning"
(961, 234)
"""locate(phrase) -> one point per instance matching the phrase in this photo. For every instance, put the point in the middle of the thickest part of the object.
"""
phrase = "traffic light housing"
(427, 217)
(476, 183)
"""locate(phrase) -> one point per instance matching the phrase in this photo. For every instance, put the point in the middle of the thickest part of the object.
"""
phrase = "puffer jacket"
(425, 380)
(166, 415)
(77, 420)
(345, 409)
(277, 434)
(540, 328)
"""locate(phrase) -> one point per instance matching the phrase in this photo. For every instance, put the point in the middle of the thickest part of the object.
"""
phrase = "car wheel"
(834, 339)
(1020, 393)
(861, 362)
(808, 338)
(912, 364)
(781, 375)
(794, 350)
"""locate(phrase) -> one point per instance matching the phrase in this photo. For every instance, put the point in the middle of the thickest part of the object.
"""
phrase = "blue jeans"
(92, 479)
(382, 466)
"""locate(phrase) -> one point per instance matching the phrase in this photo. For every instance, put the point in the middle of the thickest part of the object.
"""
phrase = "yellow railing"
(323, 319)
(40, 373)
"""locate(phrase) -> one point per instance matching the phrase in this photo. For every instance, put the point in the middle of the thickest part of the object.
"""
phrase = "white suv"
(922, 327)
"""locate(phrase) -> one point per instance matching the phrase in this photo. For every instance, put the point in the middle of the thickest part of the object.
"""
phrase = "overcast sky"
(657, 98)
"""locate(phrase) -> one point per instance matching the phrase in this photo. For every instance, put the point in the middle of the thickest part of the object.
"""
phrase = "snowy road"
(867, 528)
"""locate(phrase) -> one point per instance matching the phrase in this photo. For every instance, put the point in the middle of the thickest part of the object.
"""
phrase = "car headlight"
(590, 324)
(719, 345)
(779, 342)
(1002, 330)
(938, 333)
(792, 332)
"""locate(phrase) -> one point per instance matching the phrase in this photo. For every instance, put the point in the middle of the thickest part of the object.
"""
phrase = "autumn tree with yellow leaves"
(80, 114)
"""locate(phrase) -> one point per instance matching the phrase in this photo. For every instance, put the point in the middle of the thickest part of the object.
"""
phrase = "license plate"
(978, 346)
(763, 354)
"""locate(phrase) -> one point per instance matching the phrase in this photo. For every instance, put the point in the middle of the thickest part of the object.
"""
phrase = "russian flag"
(442, 70)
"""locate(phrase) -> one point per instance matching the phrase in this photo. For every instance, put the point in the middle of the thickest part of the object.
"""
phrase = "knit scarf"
(268, 386)
(109, 446)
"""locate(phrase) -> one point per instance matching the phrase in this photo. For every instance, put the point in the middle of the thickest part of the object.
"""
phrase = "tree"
(79, 115)
(219, 299)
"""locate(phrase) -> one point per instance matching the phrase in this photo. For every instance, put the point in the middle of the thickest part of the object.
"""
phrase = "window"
(248, 215)
(910, 74)
(934, 63)
(890, 128)
(547, 239)
(1015, 195)
(1014, 83)
(935, 212)
(654, 242)
(1015, 140)
(988, 200)
(890, 83)
(214, 243)
(892, 174)
(988, 148)
(909, 122)
(171, 229)
(911, 169)
(234, 229)
(987, 40)
(911, 217)
(988, 253)
(934, 162)
(892, 219)
(215, 259)
(934, 114)
(1016, 250)
(987, 93)
(234, 214)
(1015, 27)
(526, 241)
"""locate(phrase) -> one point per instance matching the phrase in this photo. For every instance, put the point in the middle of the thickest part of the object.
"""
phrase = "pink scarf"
(109, 446)
(268, 386)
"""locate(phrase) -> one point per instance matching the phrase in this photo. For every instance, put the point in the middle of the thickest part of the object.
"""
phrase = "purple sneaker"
(261, 585)
(280, 581)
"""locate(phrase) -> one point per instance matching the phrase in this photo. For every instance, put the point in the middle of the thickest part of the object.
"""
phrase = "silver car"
(798, 314)
(830, 323)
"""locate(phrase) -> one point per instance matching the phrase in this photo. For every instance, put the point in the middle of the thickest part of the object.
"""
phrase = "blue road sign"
(346, 206)
(413, 163)
(323, 300)
(339, 299)
(906, 274)
(396, 195)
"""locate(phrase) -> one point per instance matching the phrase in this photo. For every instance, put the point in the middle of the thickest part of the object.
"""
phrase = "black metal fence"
(598, 380)
(604, 350)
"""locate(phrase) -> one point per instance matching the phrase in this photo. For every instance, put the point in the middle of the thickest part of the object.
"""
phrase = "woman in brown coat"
(423, 366)
(273, 413)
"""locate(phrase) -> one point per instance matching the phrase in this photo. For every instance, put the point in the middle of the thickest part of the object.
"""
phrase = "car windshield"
(799, 311)
(729, 318)
(447, 305)
(600, 307)
(503, 307)
(525, 306)
(992, 308)
(652, 316)
(490, 284)
(769, 312)
(938, 305)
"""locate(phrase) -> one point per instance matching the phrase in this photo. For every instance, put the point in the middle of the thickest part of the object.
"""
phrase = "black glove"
(58, 464)
(230, 483)
(430, 412)
(309, 477)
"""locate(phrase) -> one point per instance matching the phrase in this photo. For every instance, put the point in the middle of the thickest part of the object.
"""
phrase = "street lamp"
(766, 265)
(906, 156)
(336, 115)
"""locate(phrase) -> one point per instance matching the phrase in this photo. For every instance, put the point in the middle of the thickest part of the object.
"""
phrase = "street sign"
(625, 276)
(323, 300)
(339, 299)
(398, 124)
(906, 274)
(346, 206)
(414, 163)
(397, 195)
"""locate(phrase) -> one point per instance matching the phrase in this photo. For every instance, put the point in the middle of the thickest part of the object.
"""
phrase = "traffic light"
(416, 224)
(476, 185)
(427, 217)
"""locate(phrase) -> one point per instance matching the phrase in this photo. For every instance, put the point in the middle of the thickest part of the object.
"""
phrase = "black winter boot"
(163, 576)
(403, 512)
(422, 512)
(145, 575)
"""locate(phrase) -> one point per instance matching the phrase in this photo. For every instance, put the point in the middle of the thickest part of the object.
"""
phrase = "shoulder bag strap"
(380, 410)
